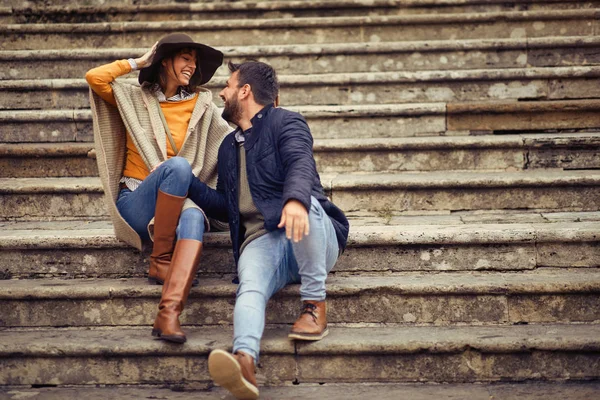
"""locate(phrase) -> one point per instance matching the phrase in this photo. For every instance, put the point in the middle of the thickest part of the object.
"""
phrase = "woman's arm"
(100, 78)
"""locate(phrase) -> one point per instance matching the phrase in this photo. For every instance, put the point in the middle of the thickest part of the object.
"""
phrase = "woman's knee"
(180, 168)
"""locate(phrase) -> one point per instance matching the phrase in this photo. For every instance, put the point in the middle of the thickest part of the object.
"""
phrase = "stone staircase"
(462, 138)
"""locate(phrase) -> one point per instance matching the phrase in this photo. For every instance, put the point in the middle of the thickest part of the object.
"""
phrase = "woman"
(151, 140)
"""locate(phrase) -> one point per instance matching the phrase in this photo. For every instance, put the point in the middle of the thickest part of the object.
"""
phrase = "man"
(283, 228)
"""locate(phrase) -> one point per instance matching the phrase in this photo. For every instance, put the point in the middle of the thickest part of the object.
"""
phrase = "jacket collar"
(257, 122)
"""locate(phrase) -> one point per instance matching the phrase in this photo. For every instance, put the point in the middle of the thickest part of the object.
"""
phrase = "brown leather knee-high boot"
(166, 218)
(176, 290)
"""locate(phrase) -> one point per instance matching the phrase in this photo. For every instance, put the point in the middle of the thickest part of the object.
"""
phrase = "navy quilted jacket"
(280, 166)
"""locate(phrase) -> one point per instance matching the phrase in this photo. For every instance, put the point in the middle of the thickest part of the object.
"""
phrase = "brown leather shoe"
(312, 323)
(166, 218)
(176, 290)
(234, 372)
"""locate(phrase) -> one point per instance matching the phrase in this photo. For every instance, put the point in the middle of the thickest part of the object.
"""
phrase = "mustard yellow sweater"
(177, 114)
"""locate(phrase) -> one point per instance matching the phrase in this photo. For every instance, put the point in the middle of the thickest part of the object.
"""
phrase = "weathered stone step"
(107, 12)
(491, 152)
(548, 190)
(218, 5)
(394, 354)
(378, 243)
(574, 390)
(508, 152)
(546, 295)
(503, 116)
(52, 198)
(355, 121)
(339, 57)
(552, 83)
(454, 191)
(47, 160)
(245, 32)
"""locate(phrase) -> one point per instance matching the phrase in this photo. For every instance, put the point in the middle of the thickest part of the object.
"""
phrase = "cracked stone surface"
(500, 391)
(383, 354)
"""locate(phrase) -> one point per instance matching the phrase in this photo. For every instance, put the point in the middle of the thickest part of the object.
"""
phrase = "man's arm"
(211, 201)
(295, 149)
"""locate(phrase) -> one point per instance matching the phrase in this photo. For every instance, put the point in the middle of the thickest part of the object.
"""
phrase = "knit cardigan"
(138, 114)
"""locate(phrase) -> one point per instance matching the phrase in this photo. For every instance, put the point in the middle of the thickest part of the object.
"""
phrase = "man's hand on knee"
(294, 218)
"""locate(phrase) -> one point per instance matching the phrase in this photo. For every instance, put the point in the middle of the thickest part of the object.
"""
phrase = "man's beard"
(232, 111)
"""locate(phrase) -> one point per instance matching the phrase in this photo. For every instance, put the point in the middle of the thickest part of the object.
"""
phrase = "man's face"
(233, 109)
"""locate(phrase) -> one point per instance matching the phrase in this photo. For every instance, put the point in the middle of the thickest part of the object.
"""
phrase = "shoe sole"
(169, 338)
(308, 336)
(227, 373)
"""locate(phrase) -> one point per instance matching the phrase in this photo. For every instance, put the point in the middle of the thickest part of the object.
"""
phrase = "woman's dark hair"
(261, 77)
(160, 71)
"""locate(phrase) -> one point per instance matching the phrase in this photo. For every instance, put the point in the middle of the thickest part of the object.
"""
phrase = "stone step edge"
(53, 150)
(544, 281)
(341, 341)
(331, 390)
(360, 78)
(314, 22)
(360, 236)
(464, 180)
(521, 141)
(358, 111)
(353, 111)
(322, 49)
(354, 181)
(261, 6)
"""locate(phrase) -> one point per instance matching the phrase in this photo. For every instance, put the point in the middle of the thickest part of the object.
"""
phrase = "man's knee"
(252, 289)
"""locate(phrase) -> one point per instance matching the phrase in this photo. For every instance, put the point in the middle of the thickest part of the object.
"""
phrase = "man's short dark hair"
(261, 77)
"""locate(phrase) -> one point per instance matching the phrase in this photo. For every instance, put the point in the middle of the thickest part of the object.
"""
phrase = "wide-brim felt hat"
(208, 58)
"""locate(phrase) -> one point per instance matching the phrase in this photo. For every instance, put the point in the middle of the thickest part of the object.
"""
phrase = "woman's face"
(180, 68)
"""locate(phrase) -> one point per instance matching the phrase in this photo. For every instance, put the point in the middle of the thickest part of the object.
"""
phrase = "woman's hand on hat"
(146, 60)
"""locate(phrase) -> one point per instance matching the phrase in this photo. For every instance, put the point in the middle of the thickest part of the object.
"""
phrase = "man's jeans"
(174, 177)
(270, 262)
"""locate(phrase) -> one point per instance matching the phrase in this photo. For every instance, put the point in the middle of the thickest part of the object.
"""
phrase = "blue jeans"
(269, 263)
(174, 177)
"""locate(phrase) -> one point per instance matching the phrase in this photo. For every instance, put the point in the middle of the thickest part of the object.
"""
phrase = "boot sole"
(309, 336)
(227, 373)
(169, 338)
(156, 281)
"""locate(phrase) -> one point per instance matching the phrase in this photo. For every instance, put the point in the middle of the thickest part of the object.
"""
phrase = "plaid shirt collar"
(181, 94)
(240, 137)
